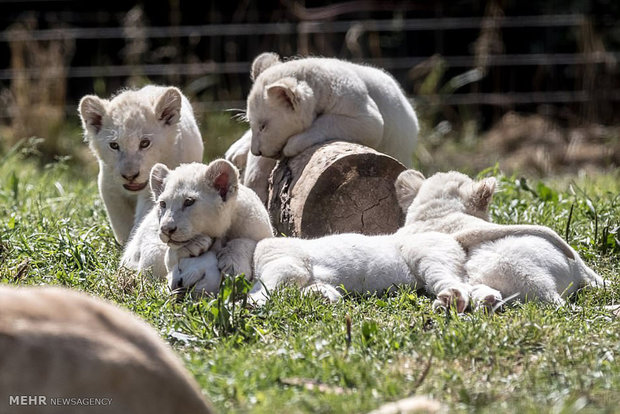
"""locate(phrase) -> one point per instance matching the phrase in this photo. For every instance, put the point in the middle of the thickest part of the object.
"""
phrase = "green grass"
(530, 358)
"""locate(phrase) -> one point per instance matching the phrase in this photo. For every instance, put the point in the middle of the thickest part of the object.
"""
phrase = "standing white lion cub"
(129, 134)
(198, 206)
(301, 102)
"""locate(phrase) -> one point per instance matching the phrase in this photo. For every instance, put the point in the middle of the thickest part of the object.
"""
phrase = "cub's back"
(251, 219)
(401, 127)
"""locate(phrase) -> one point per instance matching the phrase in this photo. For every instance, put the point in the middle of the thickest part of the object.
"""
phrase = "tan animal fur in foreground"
(59, 343)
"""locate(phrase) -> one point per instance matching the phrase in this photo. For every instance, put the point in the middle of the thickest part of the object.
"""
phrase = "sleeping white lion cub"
(129, 134)
(197, 205)
(529, 262)
(301, 102)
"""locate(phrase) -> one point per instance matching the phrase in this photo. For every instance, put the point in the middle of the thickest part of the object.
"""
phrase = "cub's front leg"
(195, 247)
(144, 205)
(235, 258)
(200, 273)
(119, 207)
(437, 261)
(364, 127)
(277, 264)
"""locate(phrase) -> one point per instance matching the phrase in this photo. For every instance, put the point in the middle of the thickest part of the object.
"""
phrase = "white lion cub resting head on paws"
(298, 103)
(530, 262)
(301, 102)
(198, 204)
(129, 134)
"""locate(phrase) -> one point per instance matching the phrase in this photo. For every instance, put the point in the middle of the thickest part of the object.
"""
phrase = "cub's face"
(194, 200)
(276, 111)
(131, 133)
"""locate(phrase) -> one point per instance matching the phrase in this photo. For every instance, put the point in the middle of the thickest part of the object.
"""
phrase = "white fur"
(362, 264)
(256, 170)
(158, 116)
(198, 206)
(529, 262)
(295, 104)
(237, 153)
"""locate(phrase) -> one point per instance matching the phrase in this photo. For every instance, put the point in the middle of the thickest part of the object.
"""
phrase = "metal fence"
(477, 60)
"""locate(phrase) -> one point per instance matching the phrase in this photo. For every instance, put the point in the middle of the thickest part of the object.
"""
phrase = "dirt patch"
(534, 145)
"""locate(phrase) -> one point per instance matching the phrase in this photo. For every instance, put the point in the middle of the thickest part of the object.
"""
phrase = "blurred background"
(532, 86)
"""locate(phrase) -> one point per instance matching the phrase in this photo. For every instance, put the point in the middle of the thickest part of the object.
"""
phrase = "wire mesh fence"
(478, 66)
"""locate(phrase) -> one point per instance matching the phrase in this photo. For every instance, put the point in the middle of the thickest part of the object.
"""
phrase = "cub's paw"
(453, 296)
(295, 145)
(209, 283)
(327, 291)
(200, 273)
(236, 257)
(484, 297)
(195, 247)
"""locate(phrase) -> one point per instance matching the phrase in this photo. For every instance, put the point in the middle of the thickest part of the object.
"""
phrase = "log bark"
(335, 187)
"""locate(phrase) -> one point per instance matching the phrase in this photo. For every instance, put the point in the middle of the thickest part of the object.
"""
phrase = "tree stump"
(335, 187)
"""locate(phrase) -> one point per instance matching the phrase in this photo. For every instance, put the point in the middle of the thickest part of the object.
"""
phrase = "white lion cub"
(363, 264)
(301, 102)
(197, 204)
(530, 262)
(129, 134)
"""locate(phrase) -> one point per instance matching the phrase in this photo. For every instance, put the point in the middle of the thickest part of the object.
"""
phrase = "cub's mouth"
(135, 186)
(172, 242)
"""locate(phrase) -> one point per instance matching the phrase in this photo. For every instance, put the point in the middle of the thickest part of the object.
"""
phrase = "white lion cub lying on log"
(530, 262)
(302, 102)
(129, 134)
(197, 204)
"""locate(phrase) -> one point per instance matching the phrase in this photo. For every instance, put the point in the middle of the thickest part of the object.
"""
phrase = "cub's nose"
(130, 177)
(168, 230)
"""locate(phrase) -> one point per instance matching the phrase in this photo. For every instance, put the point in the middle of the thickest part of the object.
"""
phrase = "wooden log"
(335, 187)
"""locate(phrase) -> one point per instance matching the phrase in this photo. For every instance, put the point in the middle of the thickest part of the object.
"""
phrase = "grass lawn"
(294, 354)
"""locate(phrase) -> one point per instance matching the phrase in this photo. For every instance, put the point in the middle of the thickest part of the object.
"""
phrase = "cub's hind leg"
(436, 261)
(277, 272)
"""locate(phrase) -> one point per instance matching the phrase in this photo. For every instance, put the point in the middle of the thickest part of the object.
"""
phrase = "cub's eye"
(162, 204)
(188, 202)
(262, 126)
(145, 143)
(114, 146)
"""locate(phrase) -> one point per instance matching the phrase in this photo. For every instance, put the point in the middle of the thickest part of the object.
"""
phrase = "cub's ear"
(262, 62)
(157, 179)
(92, 110)
(289, 92)
(168, 107)
(224, 177)
(407, 185)
(483, 193)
